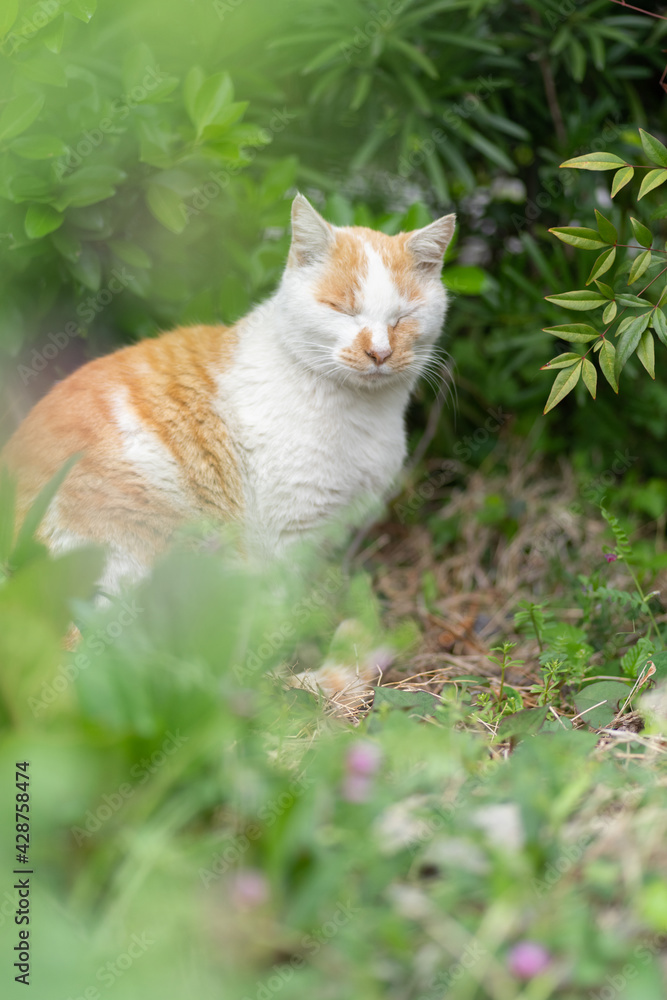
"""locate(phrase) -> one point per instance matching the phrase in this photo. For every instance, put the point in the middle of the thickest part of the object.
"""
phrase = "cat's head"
(363, 307)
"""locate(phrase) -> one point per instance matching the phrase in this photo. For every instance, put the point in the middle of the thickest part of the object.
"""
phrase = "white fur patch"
(381, 299)
(146, 452)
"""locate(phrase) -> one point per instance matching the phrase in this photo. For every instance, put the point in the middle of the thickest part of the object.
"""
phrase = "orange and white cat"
(280, 423)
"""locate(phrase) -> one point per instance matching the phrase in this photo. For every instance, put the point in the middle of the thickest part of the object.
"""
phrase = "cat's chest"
(308, 457)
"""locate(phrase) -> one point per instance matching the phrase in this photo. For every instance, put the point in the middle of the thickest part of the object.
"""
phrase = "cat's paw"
(352, 667)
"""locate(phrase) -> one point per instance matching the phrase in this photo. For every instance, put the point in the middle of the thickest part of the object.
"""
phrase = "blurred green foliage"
(197, 830)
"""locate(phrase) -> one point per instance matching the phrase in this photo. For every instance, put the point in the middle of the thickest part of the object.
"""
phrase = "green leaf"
(609, 315)
(19, 115)
(602, 264)
(524, 723)
(607, 363)
(574, 333)
(87, 268)
(639, 265)
(24, 541)
(38, 147)
(212, 98)
(621, 178)
(130, 253)
(167, 206)
(82, 9)
(564, 383)
(361, 90)
(595, 161)
(652, 180)
(224, 120)
(653, 148)
(628, 341)
(582, 300)
(52, 36)
(46, 68)
(643, 235)
(416, 56)
(605, 228)
(193, 83)
(418, 703)
(8, 14)
(659, 324)
(630, 301)
(40, 220)
(646, 352)
(90, 185)
(138, 59)
(325, 55)
(562, 361)
(579, 236)
(604, 289)
(611, 695)
(465, 280)
(590, 376)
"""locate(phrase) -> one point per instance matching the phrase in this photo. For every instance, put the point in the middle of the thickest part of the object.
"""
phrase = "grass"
(197, 828)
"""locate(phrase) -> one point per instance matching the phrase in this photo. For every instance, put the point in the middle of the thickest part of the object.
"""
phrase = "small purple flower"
(610, 556)
(363, 758)
(249, 889)
(356, 788)
(528, 959)
(361, 762)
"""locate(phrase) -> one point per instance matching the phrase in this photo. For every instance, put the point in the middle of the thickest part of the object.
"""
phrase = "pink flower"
(610, 556)
(363, 758)
(249, 889)
(356, 788)
(528, 959)
(361, 763)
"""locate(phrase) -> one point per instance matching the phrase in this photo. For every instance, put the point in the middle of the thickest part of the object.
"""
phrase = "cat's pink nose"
(379, 355)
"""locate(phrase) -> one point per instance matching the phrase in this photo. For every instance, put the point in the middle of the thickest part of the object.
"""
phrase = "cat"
(279, 424)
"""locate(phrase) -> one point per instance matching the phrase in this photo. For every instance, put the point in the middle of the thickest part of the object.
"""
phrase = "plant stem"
(537, 631)
(645, 602)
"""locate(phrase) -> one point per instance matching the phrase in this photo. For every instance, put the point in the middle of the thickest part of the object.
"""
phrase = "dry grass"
(534, 553)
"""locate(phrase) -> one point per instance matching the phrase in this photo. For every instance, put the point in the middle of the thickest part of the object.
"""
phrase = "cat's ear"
(428, 245)
(312, 235)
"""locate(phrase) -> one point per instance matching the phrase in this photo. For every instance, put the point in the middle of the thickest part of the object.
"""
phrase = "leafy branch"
(634, 334)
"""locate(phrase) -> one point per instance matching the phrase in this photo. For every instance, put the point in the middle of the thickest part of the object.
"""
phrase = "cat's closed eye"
(339, 307)
(399, 319)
